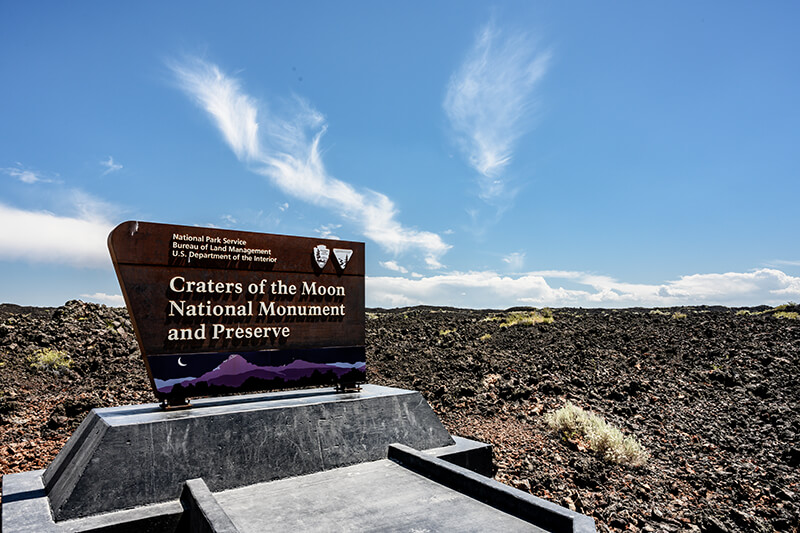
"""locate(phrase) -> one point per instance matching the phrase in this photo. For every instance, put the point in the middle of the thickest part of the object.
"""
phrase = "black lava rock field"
(711, 393)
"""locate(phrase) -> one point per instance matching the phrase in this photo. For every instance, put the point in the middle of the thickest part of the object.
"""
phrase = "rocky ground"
(713, 394)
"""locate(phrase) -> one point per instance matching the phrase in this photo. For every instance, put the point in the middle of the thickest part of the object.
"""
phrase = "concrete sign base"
(276, 461)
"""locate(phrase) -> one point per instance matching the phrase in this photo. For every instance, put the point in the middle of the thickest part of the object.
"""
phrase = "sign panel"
(218, 311)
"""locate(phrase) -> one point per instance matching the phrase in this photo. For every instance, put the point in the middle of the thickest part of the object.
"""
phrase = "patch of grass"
(779, 311)
(677, 315)
(525, 318)
(49, 359)
(599, 436)
(658, 312)
(445, 332)
(372, 316)
(486, 337)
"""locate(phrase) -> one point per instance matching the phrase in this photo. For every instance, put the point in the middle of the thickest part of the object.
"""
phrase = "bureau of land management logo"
(322, 253)
(342, 256)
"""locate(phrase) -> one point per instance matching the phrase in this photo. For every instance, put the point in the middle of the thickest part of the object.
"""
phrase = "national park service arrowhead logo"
(321, 254)
(342, 256)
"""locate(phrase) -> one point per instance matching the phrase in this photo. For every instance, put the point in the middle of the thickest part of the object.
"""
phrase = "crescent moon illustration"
(180, 363)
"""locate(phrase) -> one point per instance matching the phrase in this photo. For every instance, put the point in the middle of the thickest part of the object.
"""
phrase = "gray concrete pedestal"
(131, 468)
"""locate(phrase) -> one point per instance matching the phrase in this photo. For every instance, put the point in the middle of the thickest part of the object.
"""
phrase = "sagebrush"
(601, 437)
(50, 359)
(523, 318)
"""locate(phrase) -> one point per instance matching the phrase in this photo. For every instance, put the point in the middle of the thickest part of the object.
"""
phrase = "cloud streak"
(784, 262)
(25, 175)
(488, 289)
(392, 265)
(489, 101)
(515, 261)
(43, 237)
(110, 166)
(114, 300)
(286, 150)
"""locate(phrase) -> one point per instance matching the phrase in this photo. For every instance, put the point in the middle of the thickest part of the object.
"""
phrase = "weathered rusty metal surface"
(209, 294)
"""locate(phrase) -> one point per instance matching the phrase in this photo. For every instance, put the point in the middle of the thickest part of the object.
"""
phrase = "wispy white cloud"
(783, 262)
(392, 265)
(44, 237)
(461, 289)
(229, 219)
(26, 175)
(110, 166)
(489, 289)
(732, 287)
(286, 150)
(326, 231)
(433, 263)
(233, 111)
(489, 103)
(114, 300)
(515, 261)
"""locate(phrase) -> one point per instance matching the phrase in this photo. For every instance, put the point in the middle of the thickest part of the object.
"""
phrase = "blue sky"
(490, 155)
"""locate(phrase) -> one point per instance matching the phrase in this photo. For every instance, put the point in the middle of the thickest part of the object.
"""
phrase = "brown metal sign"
(218, 311)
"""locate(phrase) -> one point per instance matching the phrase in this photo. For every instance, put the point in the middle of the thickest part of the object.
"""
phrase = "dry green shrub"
(567, 420)
(49, 359)
(677, 315)
(601, 437)
(524, 318)
(486, 337)
(779, 311)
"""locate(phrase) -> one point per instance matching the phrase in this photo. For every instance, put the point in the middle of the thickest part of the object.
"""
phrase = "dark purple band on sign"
(185, 375)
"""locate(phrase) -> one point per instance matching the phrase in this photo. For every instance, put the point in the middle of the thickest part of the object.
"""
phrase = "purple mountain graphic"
(235, 370)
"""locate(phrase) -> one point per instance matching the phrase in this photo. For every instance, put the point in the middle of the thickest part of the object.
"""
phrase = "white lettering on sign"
(321, 290)
(187, 334)
(179, 284)
(181, 308)
(206, 247)
(190, 238)
(217, 303)
(274, 309)
(221, 331)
